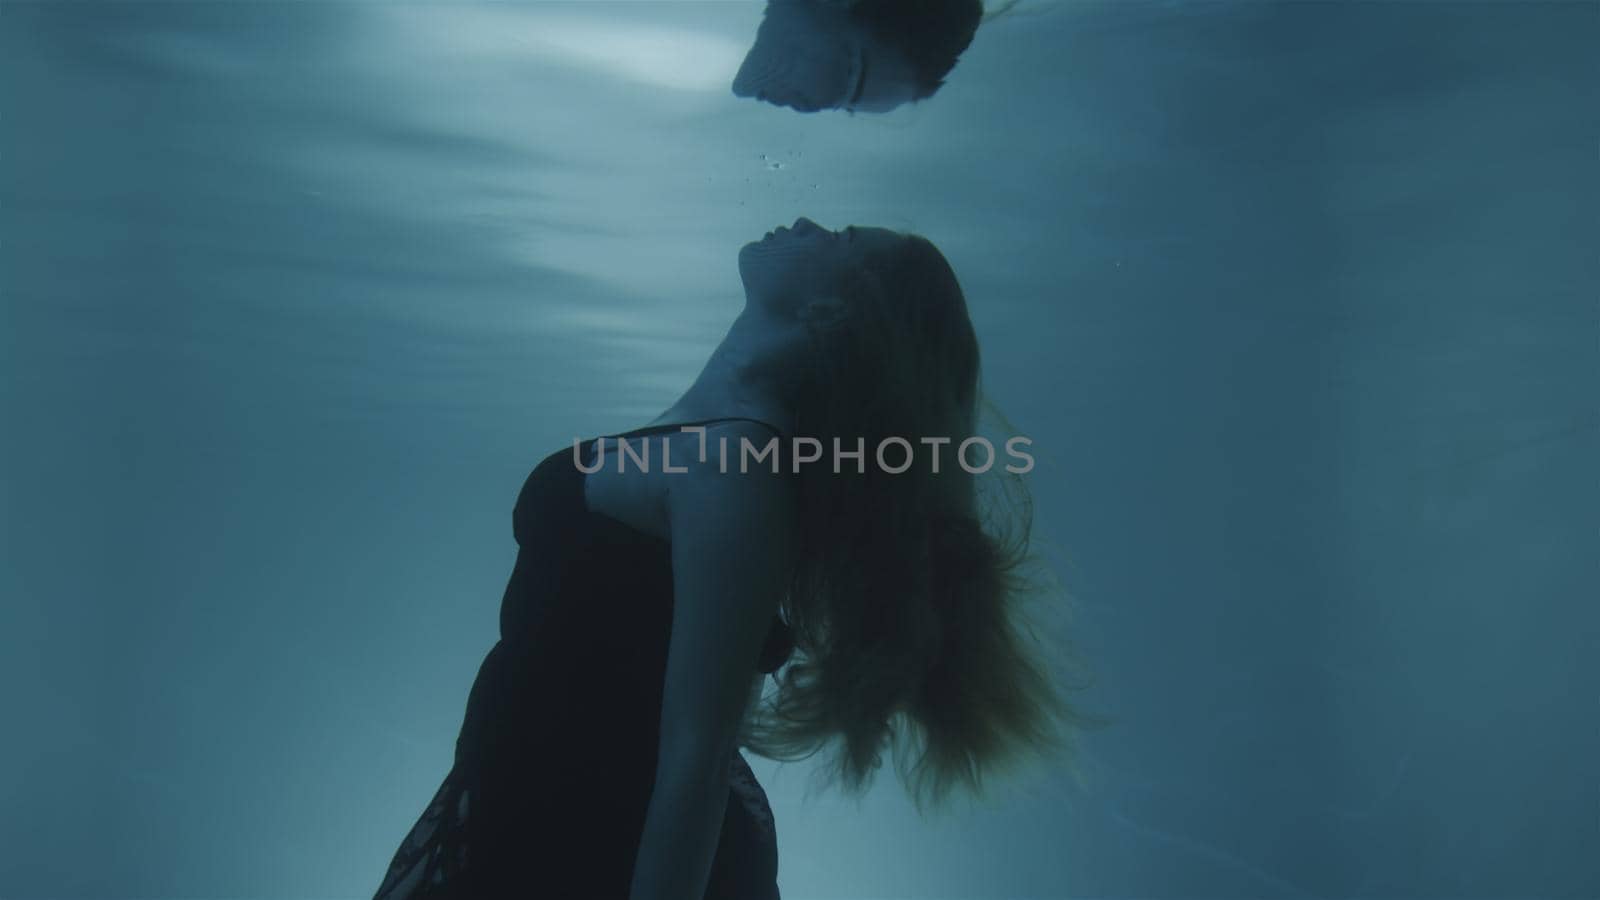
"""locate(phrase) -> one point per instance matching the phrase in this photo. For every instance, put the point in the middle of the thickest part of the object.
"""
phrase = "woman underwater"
(600, 752)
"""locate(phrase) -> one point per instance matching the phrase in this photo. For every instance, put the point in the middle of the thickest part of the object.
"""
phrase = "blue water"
(1297, 301)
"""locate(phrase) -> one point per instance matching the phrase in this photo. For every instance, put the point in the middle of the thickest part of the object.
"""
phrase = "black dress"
(556, 757)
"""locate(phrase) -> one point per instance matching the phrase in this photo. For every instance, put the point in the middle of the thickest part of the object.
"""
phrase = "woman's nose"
(805, 224)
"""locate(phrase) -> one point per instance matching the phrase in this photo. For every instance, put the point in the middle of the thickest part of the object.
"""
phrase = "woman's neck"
(728, 386)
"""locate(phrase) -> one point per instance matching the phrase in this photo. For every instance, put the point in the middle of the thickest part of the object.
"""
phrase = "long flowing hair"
(908, 602)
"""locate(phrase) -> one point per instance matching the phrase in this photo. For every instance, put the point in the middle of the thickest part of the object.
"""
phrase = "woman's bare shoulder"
(714, 491)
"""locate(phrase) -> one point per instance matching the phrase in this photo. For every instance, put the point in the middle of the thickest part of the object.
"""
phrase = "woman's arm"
(732, 544)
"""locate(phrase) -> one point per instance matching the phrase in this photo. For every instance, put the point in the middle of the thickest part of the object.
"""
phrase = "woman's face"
(810, 55)
(791, 269)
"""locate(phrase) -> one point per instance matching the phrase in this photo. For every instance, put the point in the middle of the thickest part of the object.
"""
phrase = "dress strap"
(648, 429)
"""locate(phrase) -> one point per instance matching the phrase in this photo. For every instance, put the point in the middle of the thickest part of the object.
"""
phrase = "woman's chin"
(747, 256)
(759, 245)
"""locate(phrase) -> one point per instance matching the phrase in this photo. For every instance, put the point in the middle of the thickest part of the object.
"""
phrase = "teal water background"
(1297, 302)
